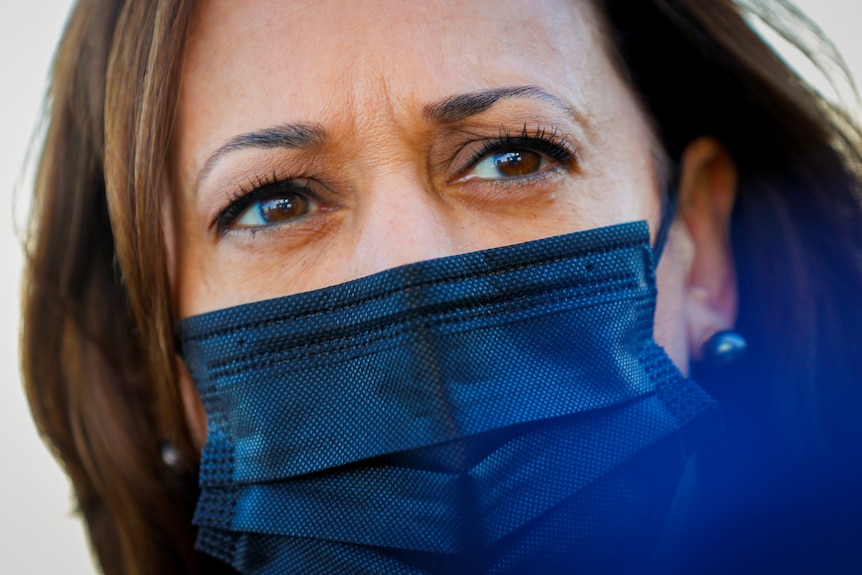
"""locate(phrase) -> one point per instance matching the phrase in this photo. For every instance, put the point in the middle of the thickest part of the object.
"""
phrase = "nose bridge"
(400, 220)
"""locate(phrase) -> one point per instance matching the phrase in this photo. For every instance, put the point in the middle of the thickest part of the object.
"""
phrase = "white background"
(38, 532)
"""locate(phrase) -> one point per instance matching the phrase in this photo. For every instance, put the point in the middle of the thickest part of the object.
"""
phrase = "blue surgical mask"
(503, 411)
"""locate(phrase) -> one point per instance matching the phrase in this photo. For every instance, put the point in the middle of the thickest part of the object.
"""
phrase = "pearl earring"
(724, 348)
(170, 455)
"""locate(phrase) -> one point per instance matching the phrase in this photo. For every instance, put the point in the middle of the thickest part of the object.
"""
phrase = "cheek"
(185, 244)
(671, 322)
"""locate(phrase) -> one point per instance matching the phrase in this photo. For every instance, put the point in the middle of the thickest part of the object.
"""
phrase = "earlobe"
(707, 193)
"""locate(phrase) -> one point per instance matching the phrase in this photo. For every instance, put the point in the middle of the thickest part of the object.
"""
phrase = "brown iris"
(279, 210)
(517, 163)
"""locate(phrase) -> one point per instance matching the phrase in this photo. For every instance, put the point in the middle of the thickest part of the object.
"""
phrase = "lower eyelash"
(521, 181)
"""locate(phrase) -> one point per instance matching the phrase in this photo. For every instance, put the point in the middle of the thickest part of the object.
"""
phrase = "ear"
(196, 416)
(707, 192)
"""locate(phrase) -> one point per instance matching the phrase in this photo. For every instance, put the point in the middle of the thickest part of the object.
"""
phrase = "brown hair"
(98, 356)
(98, 349)
(797, 224)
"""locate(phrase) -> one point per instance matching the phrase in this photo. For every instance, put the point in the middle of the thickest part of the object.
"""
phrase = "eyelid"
(258, 189)
(541, 140)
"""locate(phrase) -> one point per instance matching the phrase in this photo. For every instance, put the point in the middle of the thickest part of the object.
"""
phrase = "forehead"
(252, 63)
(325, 38)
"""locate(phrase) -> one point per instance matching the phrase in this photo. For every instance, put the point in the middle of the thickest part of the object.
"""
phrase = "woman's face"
(320, 141)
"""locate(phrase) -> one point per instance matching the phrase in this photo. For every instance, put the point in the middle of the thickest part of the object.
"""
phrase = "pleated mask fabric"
(503, 411)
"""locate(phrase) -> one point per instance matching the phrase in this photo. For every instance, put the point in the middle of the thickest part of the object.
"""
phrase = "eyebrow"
(298, 136)
(456, 108)
(445, 111)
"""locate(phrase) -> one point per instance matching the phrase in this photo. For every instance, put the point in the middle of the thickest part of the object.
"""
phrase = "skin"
(396, 183)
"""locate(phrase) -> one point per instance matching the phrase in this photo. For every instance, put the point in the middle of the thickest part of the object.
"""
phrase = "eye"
(274, 211)
(517, 157)
(267, 204)
(508, 164)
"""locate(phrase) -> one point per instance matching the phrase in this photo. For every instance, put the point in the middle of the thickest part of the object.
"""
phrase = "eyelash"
(271, 186)
(547, 143)
(258, 189)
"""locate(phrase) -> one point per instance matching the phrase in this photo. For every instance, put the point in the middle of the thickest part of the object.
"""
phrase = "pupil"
(281, 209)
(520, 163)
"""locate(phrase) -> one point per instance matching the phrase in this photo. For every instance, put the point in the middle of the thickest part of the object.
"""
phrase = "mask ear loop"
(668, 213)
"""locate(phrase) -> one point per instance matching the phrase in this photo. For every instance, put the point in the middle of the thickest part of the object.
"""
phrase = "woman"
(213, 156)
